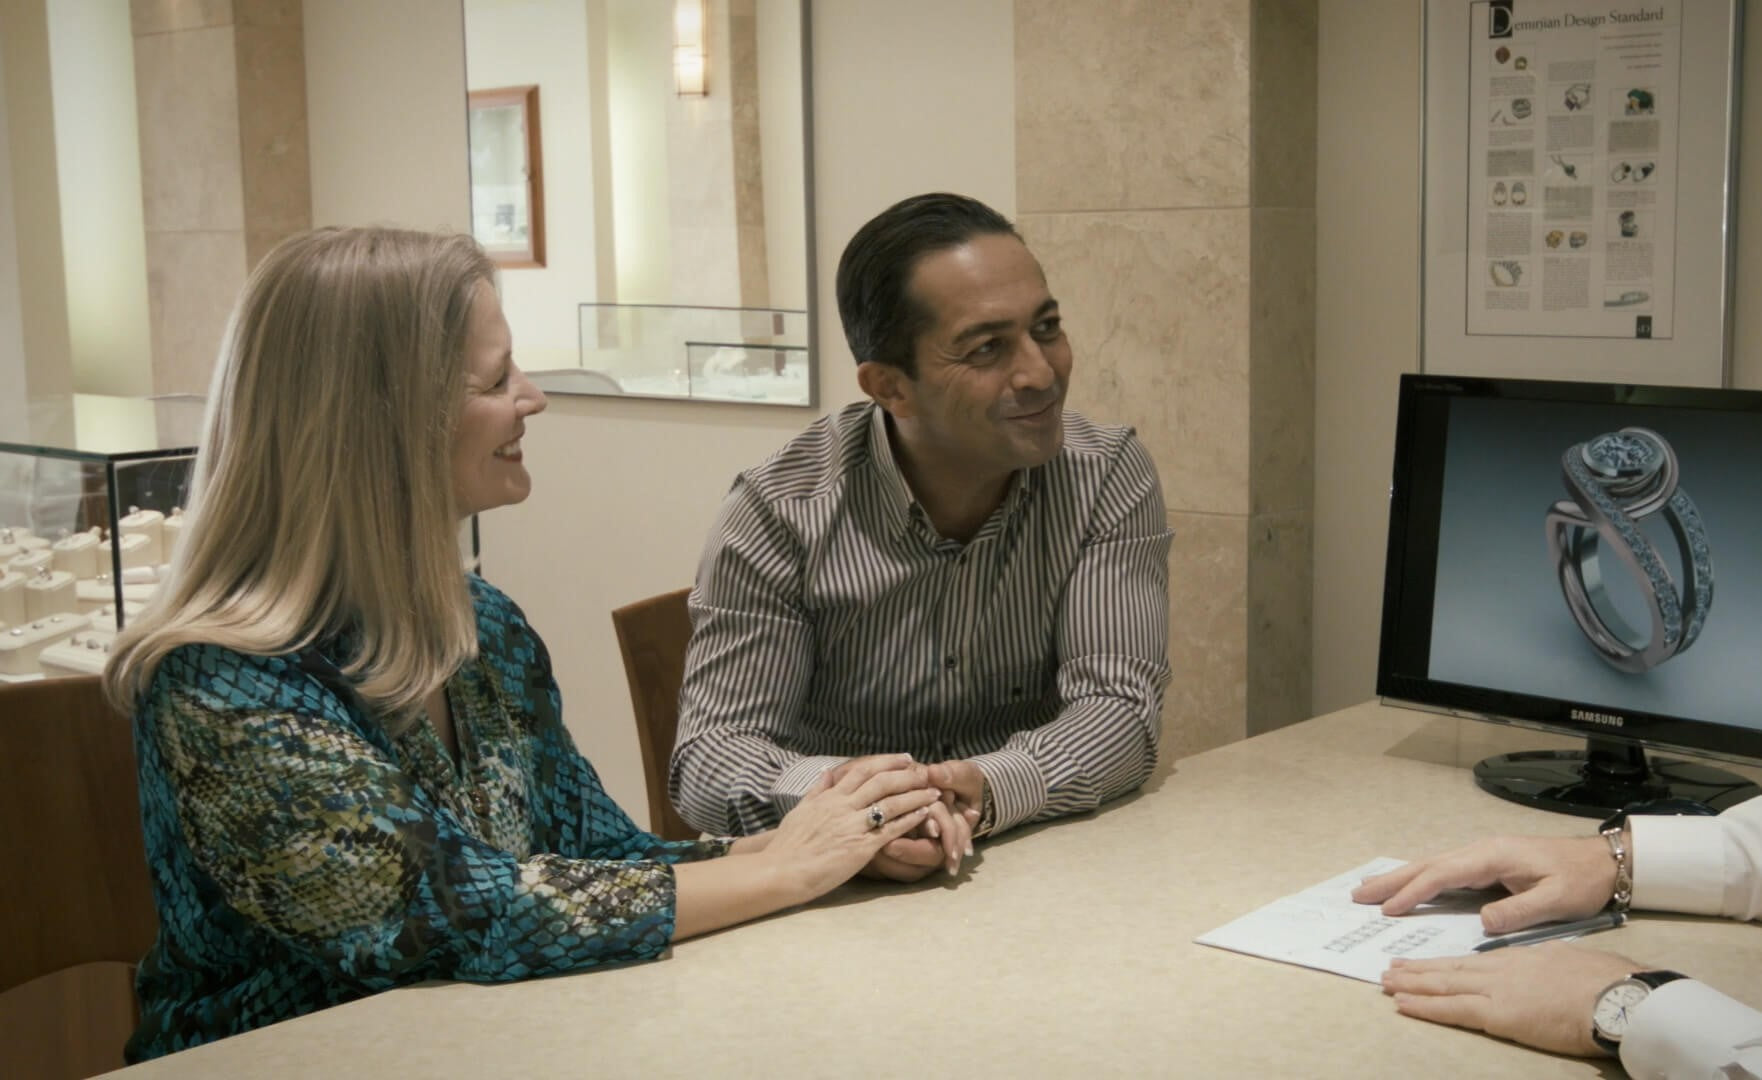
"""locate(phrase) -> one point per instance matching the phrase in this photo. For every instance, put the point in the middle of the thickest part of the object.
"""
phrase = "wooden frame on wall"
(507, 175)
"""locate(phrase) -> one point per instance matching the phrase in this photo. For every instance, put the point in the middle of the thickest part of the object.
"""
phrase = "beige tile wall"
(221, 89)
(1165, 170)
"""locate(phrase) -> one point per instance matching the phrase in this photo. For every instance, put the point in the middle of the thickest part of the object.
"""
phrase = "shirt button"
(480, 802)
(962, 561)
(950, 662)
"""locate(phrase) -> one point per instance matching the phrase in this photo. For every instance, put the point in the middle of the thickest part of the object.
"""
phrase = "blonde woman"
(354, 772)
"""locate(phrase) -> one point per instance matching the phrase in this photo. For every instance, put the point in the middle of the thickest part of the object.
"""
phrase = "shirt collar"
(898, 494)
(895, 490)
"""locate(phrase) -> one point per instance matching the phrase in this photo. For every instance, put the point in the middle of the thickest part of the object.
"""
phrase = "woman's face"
(487, 465)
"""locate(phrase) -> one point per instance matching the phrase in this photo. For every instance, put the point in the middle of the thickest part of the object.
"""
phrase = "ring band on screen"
(1615, 480)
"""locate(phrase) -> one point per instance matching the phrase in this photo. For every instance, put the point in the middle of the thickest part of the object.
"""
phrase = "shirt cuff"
(1686, 1028)
(1679, 863)
(797, 779)
(1018, 791)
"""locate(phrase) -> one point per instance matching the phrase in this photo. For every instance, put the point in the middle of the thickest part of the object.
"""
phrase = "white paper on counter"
(1321, 927)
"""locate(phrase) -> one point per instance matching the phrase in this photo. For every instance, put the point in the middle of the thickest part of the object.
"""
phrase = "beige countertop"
(1062, 950)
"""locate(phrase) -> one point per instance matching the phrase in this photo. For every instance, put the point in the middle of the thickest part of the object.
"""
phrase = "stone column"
(1165, 166)
(36, 310)
(224, 176)
(715, 170)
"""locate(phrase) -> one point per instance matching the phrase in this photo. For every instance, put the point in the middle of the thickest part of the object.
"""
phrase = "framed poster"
(507, 175)
(1579, 165)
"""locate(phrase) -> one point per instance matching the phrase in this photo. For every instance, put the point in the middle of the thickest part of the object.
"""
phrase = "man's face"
(992, 366)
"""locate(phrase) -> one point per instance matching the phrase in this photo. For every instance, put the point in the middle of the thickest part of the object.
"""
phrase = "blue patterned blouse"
(302, 857)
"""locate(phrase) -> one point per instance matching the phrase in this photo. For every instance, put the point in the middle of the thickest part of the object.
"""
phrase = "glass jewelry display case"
(86, 535)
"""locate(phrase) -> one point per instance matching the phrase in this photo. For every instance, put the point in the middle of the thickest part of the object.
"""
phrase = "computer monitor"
(1584, 558)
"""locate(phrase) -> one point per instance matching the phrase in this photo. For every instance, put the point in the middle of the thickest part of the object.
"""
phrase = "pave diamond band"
(1614, 481)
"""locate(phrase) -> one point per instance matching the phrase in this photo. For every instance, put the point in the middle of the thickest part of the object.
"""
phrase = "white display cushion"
(174, 532)
(149, 524)
(77, 554)
(101, 592)
(12, 609)
(85, 653)
(29, 562)
(104, 616)
(22, 646)
(49, 593)
(137, 550)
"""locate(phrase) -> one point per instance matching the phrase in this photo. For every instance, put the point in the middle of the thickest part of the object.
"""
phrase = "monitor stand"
(1608, 775)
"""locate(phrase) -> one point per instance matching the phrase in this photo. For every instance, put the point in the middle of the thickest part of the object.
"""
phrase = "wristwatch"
(1616, 1005)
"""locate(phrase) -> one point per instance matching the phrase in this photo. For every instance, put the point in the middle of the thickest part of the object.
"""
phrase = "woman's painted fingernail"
(969, 847)
(935, 830)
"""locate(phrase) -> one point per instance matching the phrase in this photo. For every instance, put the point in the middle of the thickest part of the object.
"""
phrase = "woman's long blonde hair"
(323, 497)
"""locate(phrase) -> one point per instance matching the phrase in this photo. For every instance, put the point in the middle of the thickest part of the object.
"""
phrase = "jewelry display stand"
(50, 592)
(85, 653)
(21, 647)
(101, 593)
(16, 541)
(77, 554)
(149, 525)
(11, 597)
(85, 536)
(29, 562)
(136, 550)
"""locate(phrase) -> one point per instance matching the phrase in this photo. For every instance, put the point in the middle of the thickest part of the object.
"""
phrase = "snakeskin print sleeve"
(578, 818)
(317, 837)
(303, 855)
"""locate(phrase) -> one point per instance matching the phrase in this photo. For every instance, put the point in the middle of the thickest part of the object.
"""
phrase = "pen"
(1609, 920)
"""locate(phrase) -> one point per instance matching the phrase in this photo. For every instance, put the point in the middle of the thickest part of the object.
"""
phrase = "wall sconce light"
(688, 48)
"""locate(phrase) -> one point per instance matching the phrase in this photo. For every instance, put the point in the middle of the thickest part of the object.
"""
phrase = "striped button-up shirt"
(830, 621)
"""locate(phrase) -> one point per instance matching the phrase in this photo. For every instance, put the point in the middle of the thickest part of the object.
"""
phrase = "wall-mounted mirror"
(678, 250)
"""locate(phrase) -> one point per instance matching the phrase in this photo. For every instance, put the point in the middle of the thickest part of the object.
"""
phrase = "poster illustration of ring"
(1563, 237)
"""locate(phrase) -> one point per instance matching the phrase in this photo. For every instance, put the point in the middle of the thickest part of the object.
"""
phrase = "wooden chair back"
(652, 635)
(75, 890)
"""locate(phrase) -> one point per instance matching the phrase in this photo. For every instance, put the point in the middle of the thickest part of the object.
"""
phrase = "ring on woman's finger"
(877, 817)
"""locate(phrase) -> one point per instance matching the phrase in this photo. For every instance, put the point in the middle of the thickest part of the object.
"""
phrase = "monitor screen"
(1585, 557)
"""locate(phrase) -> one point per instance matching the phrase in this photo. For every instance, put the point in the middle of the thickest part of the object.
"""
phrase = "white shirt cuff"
(1688, 1029)
(1679, 863)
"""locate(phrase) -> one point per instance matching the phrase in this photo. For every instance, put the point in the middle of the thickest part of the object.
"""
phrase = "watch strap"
(1658, 978)
(1624, 869)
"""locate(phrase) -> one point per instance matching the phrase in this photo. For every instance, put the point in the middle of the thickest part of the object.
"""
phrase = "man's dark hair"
(882, 319)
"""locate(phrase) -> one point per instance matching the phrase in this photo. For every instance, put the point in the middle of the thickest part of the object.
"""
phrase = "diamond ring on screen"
(1615, 481)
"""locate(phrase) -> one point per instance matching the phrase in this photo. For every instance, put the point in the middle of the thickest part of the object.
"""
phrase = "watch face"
(1616, 1005)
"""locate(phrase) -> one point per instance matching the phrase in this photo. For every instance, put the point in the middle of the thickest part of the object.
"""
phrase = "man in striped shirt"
(957, 568)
